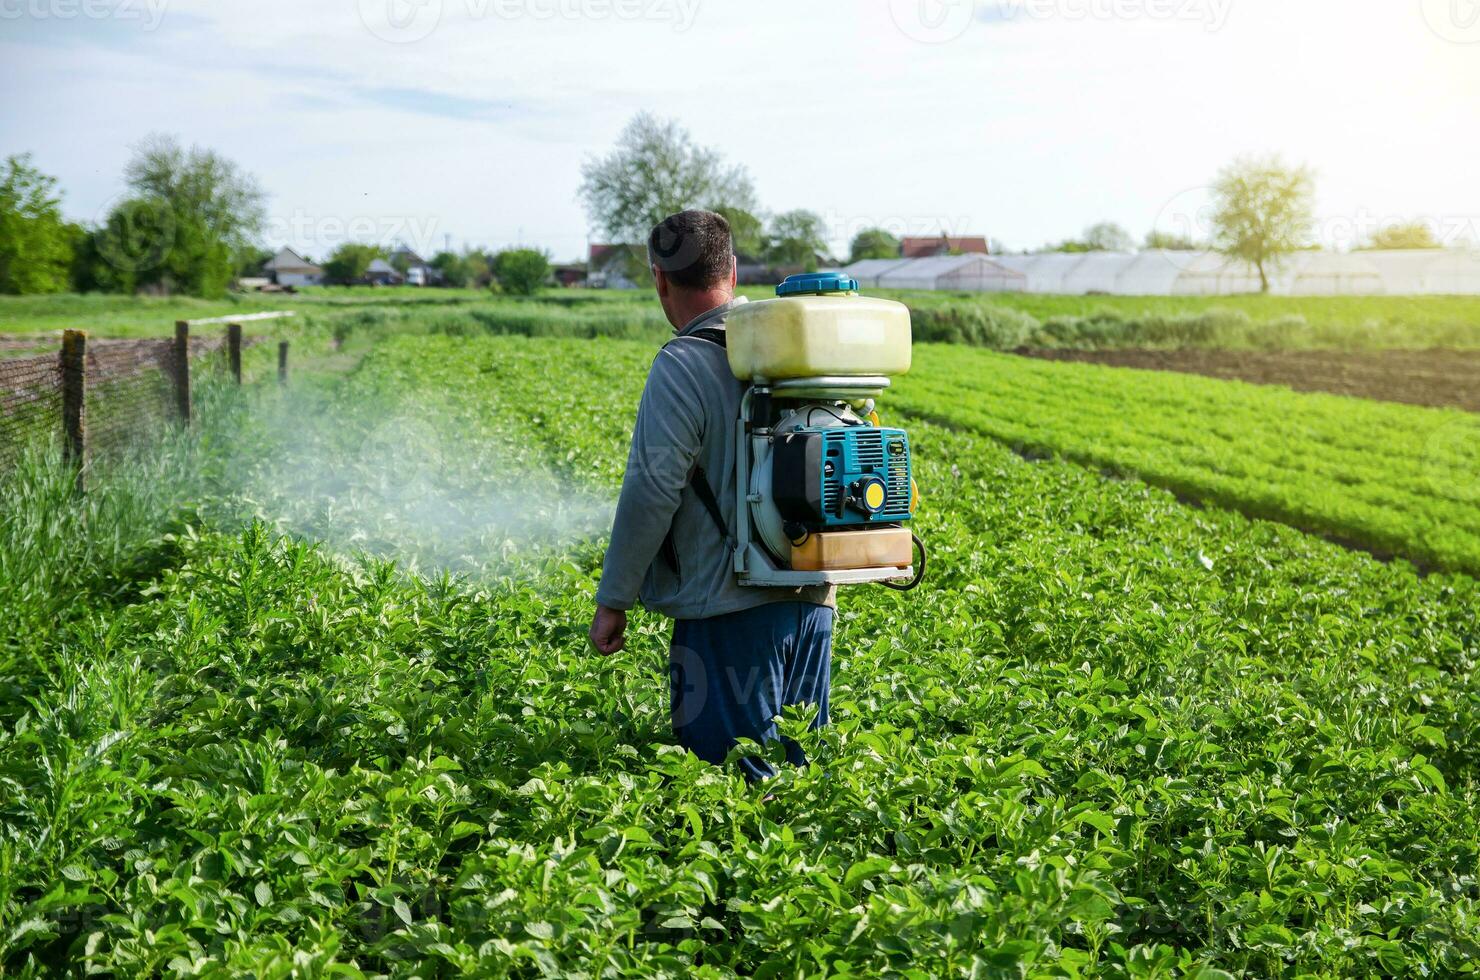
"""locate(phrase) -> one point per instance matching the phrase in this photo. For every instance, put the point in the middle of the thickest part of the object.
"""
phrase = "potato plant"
(1111, 736)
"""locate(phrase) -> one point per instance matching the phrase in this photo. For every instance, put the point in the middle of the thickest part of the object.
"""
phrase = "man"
(739, 654)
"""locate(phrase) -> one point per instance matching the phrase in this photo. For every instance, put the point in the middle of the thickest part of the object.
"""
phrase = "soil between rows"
(1436, 378)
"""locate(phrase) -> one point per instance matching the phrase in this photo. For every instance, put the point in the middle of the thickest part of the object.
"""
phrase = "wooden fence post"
(234, 350)
(74, 403)
(182, 369)
(282, 362)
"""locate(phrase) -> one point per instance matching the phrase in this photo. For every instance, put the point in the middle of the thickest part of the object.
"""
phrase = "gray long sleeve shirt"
(687, 417)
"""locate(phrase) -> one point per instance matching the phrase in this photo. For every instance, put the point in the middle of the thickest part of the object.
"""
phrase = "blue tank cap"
(817, 282)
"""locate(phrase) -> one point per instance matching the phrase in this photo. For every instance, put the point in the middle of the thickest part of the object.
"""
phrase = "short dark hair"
(692, 248)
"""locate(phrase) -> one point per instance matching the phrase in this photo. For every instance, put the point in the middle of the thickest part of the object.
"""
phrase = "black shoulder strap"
(705, 493)
(697, 479)
(715, 335)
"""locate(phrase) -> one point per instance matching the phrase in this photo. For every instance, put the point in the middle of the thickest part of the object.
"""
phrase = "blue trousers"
(730, 676)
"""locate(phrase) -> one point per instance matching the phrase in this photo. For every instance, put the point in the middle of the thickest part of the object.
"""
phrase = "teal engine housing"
(826, 478)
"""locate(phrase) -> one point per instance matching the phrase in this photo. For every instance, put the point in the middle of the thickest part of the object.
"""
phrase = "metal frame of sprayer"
(754, 564)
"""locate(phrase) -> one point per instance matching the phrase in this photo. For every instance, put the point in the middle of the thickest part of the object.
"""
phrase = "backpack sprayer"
(823, 491)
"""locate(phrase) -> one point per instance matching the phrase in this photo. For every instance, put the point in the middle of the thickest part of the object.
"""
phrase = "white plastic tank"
(818, 326)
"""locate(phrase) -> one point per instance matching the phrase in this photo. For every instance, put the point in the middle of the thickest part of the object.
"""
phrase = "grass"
(1112, 735)
(999, 320)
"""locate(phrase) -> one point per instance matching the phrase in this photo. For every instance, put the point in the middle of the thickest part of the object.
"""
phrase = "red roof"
(917, 248)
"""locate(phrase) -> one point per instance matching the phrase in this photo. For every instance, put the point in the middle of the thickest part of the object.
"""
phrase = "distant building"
(418, 272)
(382, 273)
(570, 273)
(921, 248)
(953, 273)
(288, 268)
(613, 266)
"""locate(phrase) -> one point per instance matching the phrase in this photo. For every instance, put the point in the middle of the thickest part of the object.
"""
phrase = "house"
(925, 247)
(417, 271)
(288, 268)
(382, 273)
(570, 273)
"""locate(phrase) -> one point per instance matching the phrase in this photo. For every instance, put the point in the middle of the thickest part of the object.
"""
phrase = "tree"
(654, 171)
(349, 262)
(1262, 211)
(796, 238)
(190, 217)
(1170, 241)
(873, 243)
(453, 268)
(1409, 235)
(747, 233)
(1107, 236)
(521, 271)
(35, 243)
(480, 268)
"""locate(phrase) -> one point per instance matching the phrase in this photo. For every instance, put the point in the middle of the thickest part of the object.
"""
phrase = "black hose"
(919, 571)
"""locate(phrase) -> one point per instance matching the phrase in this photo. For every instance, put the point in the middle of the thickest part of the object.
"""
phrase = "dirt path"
(1425, 377)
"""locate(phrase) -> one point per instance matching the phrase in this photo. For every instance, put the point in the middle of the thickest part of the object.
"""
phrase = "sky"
(466, 122)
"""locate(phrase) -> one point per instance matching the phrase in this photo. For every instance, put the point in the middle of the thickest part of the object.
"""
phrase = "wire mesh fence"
(99, 396)
(30, 401)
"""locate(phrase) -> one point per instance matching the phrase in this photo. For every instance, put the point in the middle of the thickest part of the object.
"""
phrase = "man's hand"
(608, 630)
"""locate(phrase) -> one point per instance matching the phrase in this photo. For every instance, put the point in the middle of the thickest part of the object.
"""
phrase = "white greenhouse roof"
(1157, 272)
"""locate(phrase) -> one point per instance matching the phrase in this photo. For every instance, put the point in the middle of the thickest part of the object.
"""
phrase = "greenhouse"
(1158, 272)
(969, 273)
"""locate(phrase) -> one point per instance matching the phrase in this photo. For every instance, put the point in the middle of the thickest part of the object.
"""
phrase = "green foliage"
(1111, 736)
(796, 239)
(1155, 238)
(1262, 211)
(1107, 236)
(1410, 235)
(191, 220)
(350, 261)
(521, 271)
(35, 243)
(656, 170)
(746, 231)
(456, 270)
(1397, 479)
(873, 243)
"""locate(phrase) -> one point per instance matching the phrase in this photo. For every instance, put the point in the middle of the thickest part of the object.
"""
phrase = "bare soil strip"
(1436, 378)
